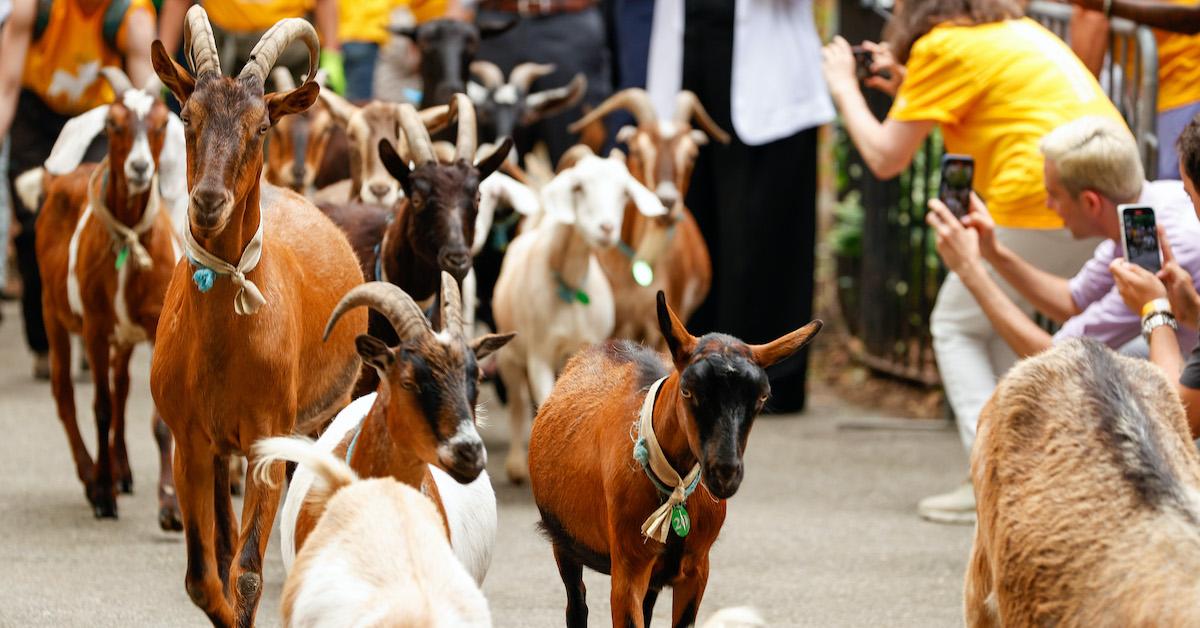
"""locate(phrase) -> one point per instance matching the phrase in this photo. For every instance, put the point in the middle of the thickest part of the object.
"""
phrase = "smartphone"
(1139, 235)
(863, 59)
(955, 188)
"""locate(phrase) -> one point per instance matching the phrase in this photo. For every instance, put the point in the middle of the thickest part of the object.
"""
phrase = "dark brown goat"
(592, 493)
(447, 49)
(505, 105)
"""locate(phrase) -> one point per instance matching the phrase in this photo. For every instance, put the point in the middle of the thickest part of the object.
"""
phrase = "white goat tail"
(29, 186)
(330, 472)
(735, 617)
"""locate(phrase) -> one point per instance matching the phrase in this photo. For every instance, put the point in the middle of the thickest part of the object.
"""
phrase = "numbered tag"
(643, 274)
(681, 522)
(122, 255)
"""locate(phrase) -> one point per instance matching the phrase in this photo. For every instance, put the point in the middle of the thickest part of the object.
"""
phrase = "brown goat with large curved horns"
(236, 363)
(675, 257)
(591, 491)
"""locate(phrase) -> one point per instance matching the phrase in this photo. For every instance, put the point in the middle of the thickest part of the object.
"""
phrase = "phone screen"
(1141, 237)
(955, 188)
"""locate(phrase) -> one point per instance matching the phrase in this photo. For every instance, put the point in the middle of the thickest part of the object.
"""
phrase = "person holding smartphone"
(1167, 301)
(1091, 167)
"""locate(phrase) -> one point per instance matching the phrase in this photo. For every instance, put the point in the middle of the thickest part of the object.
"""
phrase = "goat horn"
(452, 318)
(283, 80)
(688, 105)
(199, 43)
(573, 155)
(488, 72)
(273, 42)
(388, 299)
(415, 135)
(117, 78)
(525, 74)
(633, 99)
(462, 108)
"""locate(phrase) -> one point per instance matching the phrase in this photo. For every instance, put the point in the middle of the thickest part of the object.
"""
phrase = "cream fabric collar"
(672, 513)
(249, 298)
(126, 239)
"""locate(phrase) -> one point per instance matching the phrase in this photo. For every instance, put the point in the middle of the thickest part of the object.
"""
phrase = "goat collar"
(672, 514)
(126, 239)
(249, 298)
(568, 293)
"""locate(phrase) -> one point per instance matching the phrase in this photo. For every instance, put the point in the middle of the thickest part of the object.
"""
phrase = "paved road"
(822, 533)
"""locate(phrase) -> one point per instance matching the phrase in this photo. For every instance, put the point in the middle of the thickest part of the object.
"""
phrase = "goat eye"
(685, 393)
(262, 128)
(409, 385)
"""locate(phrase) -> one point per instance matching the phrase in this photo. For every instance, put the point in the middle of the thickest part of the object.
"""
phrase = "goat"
(378, 556)
(365, 127)
(1086, 483)
(418, 427)
(106, 251)
(447, 48)
(593, 494)
(551, 289)
(298, 146)
(225, 380)
(666, 253)
(504, 105)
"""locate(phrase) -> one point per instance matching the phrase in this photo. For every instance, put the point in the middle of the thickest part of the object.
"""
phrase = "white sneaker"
(957, 506)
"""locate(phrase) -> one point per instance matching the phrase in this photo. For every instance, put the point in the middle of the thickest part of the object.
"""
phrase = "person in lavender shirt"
(1091, 166)
(1167, 301)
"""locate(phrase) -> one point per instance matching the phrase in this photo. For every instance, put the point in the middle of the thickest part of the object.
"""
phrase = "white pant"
(971, 356)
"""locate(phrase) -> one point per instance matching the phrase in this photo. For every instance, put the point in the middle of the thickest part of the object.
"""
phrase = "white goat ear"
(489, 198)
(172, 167)
(72, 144)
(626, 133)
(617, 154)
(645, 200)
(477, 93)
(699, 137)
(557, 197)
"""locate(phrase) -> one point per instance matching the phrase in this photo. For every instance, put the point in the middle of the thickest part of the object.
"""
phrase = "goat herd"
(262, 333)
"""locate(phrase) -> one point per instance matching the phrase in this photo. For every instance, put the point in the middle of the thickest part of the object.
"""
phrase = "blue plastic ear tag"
(681, 522)
(643, 274)
(204, 278)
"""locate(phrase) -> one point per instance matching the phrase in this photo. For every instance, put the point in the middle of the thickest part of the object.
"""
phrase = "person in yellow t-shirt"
(995, 82)
(1178, 77)
(50, 72)
(362, 29)
(239, 24)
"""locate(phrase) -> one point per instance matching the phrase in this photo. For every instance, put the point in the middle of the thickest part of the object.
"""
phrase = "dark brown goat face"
(722, 388)
(433, 386)
(136, 127)
(447, 48)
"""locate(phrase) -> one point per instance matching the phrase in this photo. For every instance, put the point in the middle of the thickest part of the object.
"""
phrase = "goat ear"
(484, 346)
(679, 341)
(627, 133)
(338, 107)
(489, 164)
(646, 201)
(699, 137)
(551, 102)
(177, 79)
(394, 165)
(477, 93)
(783, 347)
(72, 143)
(375, 352)
(295, 101)
(556, 198)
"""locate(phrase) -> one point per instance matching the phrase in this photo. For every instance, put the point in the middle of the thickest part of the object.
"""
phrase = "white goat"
(379, 555)
(552, 290)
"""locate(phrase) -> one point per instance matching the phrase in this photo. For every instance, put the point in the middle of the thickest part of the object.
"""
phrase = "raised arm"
(1175, 18)
(14, 42)
(1089, 37)
(170, 23)
(139, 34)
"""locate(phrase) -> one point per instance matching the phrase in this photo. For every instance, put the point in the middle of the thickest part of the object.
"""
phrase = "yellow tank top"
(249, 16)
(63, 63)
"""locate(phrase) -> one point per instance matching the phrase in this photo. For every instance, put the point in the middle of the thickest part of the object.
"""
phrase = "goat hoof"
(249, 585)
(235, 489)
(104, 502)
(518, 473)
(105, 511)
(127, 486)
(169, 519)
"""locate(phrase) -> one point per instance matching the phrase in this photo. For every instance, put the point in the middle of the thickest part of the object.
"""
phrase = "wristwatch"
(1157, 318)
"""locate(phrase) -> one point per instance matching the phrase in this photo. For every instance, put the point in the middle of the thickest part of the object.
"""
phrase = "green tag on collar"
(643, 274)
(681, 522)
(582, 297)
(122, 255)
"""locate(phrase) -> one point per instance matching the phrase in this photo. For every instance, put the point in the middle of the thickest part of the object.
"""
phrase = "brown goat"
(661, 156)
(107, 289)
(1086, 482)
(297, 145)
(593, 496)
(235, 362)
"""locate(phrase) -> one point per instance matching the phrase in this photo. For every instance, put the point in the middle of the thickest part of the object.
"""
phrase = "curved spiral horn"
(277, 38)
(488, 72)
(420, 149)
(462, 109)
(525, 74)
(688, 105)
(633, 99)
(117, 78)
(397, 307)
(452, 317)
(199, 43)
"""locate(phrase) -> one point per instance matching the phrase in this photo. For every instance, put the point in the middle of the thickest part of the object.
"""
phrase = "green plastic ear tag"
(681, 522)
(582, 297)
(122, 255)
(643, 274)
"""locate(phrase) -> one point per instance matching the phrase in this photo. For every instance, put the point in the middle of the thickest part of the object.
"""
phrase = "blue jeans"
(359, 59)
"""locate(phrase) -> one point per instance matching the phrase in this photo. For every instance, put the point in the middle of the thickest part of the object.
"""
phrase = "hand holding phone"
(955, 187)
(1139, 236)
(863, 60)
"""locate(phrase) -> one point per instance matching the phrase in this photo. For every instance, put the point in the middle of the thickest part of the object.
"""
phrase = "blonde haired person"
(995, 82)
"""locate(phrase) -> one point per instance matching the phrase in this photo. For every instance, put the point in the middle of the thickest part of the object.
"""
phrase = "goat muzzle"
(723, 477)
(207, 210)
(463, 460)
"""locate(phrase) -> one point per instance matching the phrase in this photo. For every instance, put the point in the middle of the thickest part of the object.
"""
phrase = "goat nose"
(469, 453)
(139, 167)
(207, 201)
(380, 190)
(607, 228)
(454, 261)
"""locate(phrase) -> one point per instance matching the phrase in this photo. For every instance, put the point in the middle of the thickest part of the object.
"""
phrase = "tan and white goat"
(379, 555)
(1086, 485)
(551, 289)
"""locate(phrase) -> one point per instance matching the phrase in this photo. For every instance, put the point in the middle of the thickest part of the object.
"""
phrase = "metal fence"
(888, 272)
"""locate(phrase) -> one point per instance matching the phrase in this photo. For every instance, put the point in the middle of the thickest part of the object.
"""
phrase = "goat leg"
(64, 397)
(571, 573)
(120, 397)
(688, 591)
(630, 582)
(226, 524)
(258, 515)
(513, 375)
(194, 472)
(169, 518)
(101, 492)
